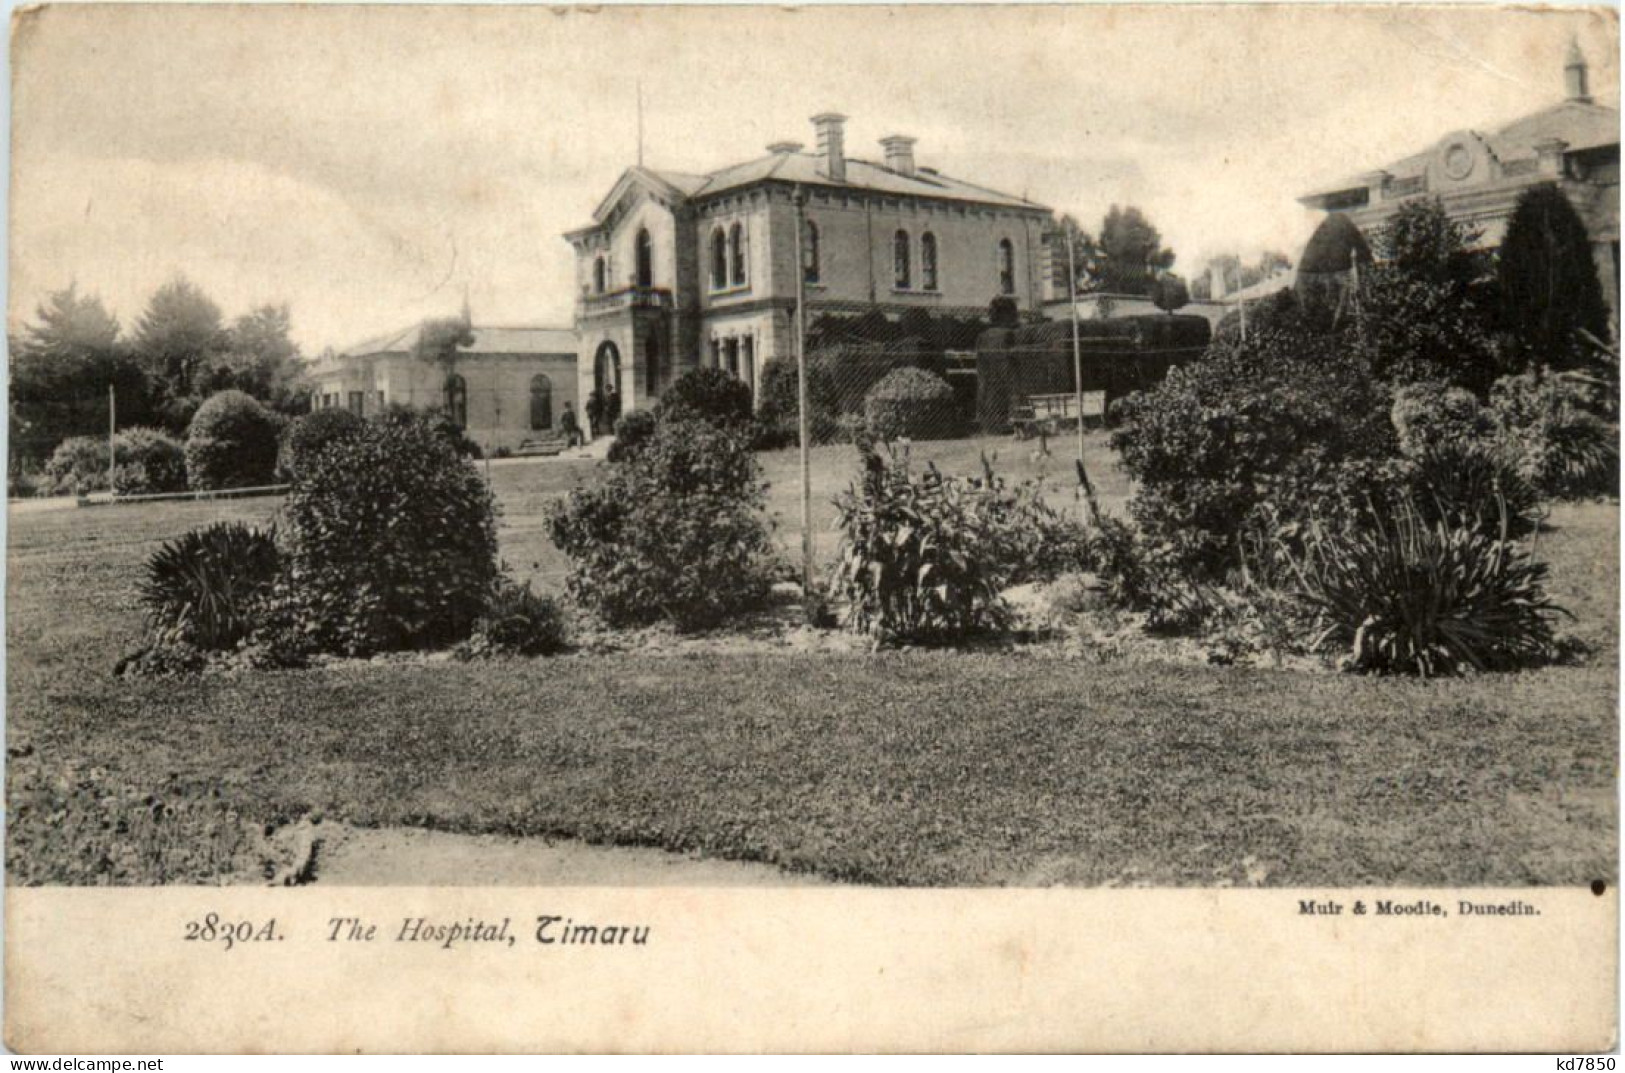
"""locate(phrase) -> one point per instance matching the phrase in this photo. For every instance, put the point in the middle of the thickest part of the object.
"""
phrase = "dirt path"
(401, 856)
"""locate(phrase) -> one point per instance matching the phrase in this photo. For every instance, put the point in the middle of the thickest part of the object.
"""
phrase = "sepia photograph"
(811, 453)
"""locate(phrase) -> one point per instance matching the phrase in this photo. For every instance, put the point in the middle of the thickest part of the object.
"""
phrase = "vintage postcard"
(840, 528)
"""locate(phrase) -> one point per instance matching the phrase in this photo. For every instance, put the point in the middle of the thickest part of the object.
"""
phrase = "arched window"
(1007, 267)
(541, 402)
(928, 261)
(457, 400)
(646, 259)
(809, 253)
(719, 260)
(736, 249)
(599, 273)
(901, 274)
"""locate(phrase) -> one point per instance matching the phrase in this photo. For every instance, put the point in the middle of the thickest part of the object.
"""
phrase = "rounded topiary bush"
(78, 465)
(307, 435)
(910, 403)
(710, 395)
(391, 542)
(231, 443)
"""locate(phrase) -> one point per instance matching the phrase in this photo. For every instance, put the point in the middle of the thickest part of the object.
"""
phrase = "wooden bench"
(1051, 414)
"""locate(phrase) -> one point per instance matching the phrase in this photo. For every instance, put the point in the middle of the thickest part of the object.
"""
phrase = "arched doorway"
(606, 368)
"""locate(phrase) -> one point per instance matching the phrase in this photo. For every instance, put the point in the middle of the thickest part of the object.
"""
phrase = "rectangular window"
(358, 403)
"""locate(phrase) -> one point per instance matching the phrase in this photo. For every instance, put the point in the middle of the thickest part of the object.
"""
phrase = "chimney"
(1575, 75)
(899, 153)
(781, 148)
(832, 143)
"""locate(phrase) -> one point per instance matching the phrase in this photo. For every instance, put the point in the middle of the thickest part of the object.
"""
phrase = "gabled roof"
(520, 339)
(806, 168)
(1580, 124)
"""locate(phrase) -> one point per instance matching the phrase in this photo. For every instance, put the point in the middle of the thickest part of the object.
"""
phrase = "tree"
(1424, 313)
(61, 368)
(440, 339)
(262, 359)
(178, 340)
(1548, 284)
(1169, 293)
(1130, 252)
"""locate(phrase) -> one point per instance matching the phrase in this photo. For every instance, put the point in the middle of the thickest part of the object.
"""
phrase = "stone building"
(678, 271)
(509, 386)
(1479, 176)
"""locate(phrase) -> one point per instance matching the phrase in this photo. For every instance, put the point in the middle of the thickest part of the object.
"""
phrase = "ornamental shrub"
(1252, 421)
(231, 443)
(676, 532)
(150, 461)
(911, 403)
(204, 588)
(918, 558)
(1433, 411)
(147, 461)
(391, 541)
(632, 432)
(306, 435)
(78, 465)
(780, 407)
(1564, 448)
(1406, 595)
(708, 394)
(516, 622)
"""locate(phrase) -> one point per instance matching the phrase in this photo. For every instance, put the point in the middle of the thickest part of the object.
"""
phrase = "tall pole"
(801, 396)
(1077, 348)
(112, 431)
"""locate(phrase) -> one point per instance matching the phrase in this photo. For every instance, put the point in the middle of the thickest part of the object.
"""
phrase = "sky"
(371, 165)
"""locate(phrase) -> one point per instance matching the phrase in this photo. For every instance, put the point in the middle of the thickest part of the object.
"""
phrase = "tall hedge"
(231, 443)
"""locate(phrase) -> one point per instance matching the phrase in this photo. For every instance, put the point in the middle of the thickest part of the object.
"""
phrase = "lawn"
(967, 768)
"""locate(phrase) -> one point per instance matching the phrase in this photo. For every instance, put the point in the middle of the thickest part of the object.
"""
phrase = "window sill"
(915, 292)
(729, 292)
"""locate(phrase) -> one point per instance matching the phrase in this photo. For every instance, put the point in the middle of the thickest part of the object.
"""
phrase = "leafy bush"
(1411, 596)
(916, 561)
(231, 443)
(307, 435)
(516, 622)
(708, 394)
(780, 408)
(911, 403)
(1028, 540)
(1475, 484)
(146, 461)
(1250, 422)
(632, 432)
(675, 532)
(204, 588)
(437, 420)
(78, 465)
(391, 541)
(1564, 448)
(1432, 411)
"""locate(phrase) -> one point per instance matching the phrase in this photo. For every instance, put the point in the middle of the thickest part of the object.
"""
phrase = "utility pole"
(112, 431)
(1077, 348)
(800, 199)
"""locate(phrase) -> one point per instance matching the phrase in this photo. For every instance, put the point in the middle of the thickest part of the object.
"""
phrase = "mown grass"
(903, 768)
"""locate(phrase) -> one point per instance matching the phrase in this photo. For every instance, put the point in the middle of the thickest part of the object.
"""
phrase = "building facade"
(509, 386)
(1478, 177)
(680, 271)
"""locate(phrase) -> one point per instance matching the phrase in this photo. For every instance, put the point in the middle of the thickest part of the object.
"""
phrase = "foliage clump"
(708, 394)
(676, 532)
(204, 588)
(391, 541)
(516, 622)
(913, 404)
(305, 436)
(231, 443)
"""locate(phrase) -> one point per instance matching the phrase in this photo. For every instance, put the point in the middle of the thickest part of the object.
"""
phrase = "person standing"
(567, 423)
(612, 408)
(595, 413)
